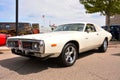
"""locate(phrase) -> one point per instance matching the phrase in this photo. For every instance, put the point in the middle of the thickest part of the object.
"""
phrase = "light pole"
(16, 17)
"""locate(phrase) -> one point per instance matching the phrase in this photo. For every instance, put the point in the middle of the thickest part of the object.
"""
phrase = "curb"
(114, 44)
(4, 48)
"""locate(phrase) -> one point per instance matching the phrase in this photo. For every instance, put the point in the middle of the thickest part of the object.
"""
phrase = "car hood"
(44, 36)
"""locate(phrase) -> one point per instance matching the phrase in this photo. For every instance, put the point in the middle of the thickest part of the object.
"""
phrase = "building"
(35, 28)
(115, 19)
(115, 26)
(10, 28)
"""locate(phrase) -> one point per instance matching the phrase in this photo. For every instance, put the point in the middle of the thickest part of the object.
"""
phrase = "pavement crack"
(101, 58)
(100, 77)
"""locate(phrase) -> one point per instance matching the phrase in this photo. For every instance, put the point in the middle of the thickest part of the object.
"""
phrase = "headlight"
(41, 43)
(36, 46)
(42, 46)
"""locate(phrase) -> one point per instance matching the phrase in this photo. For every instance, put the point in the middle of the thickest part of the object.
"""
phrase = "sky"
(54, 11)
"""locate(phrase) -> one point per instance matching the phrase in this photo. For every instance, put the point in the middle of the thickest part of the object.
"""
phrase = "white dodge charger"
(65, 42)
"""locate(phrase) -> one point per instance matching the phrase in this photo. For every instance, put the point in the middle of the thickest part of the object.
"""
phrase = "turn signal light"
(53, 45)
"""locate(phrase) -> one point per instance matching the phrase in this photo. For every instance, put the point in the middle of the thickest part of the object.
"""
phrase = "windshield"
(70, 27)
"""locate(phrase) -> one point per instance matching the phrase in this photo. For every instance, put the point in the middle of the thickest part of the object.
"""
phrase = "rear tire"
(104, 46)
(68, 55)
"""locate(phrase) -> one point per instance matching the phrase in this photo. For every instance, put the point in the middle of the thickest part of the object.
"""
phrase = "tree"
(107, 8)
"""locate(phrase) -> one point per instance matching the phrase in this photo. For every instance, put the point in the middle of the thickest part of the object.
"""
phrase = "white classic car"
(65, 42)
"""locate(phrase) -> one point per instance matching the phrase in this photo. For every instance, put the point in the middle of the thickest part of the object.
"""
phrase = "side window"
(90, 28)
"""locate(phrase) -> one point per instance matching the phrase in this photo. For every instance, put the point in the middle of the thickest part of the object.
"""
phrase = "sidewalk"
(114, 44)
(4, 48)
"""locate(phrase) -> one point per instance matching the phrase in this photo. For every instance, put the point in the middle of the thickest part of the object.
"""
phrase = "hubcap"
(70, 54)
(105, 45)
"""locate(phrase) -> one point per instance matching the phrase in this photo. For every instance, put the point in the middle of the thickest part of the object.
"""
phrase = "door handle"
(86, 38)
(97, 34)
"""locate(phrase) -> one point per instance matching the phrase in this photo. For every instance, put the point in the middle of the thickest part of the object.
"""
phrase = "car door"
(92, 36)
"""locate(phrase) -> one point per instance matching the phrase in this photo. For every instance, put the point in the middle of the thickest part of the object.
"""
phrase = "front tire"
(104, 46)
(68, 55)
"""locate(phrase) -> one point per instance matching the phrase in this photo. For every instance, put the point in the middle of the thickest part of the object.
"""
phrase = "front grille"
(16, 44)
(26, 45)
(12, 44)
(33, 45)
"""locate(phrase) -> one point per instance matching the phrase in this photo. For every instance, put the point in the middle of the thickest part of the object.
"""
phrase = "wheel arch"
(75, 43)
(61, 57)
(106, 38)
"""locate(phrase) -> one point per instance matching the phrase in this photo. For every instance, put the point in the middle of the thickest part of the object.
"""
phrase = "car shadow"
(23, 65)
(88, 53)
(116, 54)
(1, 52)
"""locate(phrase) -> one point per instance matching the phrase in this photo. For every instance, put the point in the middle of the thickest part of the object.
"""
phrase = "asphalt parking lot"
(90, 65)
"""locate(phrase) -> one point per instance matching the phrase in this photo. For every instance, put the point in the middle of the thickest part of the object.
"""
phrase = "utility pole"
(17, 17)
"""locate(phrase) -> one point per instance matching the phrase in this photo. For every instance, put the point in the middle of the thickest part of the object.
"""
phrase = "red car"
(3, 38)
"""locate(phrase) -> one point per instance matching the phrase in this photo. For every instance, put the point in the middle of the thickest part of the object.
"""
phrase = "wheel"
(104, 46)
(68, 55)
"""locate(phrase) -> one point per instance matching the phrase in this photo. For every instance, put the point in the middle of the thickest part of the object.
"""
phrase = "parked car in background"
(3, 38)
(114, 30)
(65, 42)
(104, 27)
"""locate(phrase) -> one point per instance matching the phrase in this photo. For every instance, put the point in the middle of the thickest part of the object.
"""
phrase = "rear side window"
(90, 28)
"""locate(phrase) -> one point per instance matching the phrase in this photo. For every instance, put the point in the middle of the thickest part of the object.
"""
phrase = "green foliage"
(105, 7)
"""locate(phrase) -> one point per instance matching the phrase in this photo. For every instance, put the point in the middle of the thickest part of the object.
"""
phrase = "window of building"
(0, 27)
(7, 26)
(21, 27)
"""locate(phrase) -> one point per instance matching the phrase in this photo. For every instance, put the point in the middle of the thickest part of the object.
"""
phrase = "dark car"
(104, 27)
(114, 30)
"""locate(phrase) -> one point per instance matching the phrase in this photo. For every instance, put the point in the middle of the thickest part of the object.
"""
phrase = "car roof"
(77, 23)
(115, 25)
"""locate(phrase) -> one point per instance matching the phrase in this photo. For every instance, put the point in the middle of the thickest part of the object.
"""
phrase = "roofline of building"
(14, 22)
